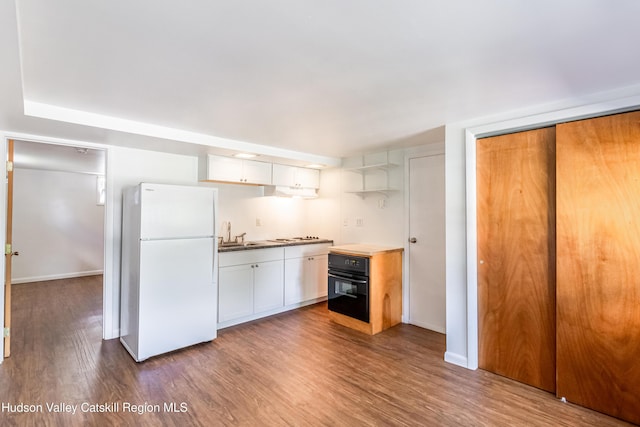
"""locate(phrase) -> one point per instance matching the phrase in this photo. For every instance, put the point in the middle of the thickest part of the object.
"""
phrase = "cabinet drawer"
(249, 256)
(306, 250)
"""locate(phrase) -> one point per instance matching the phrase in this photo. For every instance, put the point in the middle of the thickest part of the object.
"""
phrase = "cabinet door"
(309, 276)
(284, 175)
(305, 278)
(225, 169)
(268, 286)
(307, 178)
(315, 277)
(516, 264)
(293, 280)
(256, 172)
(598, 247)
(235, 292)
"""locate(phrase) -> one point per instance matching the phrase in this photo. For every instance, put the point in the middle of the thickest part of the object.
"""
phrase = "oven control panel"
(353, 264)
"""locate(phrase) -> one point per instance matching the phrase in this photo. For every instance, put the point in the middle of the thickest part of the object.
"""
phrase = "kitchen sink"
(230, 244)
(242, 244)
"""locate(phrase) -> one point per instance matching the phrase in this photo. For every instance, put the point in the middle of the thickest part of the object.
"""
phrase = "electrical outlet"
(359, 222)
(258, 222)
(345, 222)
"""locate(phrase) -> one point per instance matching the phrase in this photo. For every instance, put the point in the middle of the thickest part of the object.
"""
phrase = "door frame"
(431, 149)
(107, 278)
(468, 136)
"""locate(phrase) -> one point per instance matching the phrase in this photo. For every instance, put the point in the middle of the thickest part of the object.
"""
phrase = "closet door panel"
(516, 265)
(598, 264)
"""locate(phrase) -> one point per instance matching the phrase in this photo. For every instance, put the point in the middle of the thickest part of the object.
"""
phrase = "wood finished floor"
(294, 369)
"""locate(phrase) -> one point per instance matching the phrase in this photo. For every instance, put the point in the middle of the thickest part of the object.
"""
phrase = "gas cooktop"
(295, 239)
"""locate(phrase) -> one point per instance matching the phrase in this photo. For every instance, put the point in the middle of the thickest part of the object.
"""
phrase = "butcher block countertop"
(364, 250)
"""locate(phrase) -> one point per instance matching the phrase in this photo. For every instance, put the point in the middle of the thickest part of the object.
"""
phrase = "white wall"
(57, 226)
(323, 214)
(456, 250)
(244, 206)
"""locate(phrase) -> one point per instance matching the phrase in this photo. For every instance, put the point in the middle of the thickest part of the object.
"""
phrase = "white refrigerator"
(168, 290)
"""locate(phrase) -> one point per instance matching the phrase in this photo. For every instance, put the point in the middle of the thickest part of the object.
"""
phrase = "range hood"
(283, 191)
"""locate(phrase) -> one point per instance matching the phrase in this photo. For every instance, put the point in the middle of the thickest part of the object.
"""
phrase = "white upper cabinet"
(291, 176)
(229, 169)
(284, 175)
(257, 172)
(308, 178)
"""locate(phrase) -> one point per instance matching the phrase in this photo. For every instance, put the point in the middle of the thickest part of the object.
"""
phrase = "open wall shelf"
(381, 184)
(379, 191)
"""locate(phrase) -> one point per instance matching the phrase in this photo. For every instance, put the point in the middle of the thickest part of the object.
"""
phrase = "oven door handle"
(347, 279)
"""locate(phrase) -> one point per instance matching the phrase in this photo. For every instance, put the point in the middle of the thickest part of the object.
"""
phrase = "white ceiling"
(332, 77)
(61, 158)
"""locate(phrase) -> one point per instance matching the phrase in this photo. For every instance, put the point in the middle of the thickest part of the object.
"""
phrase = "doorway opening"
(58, 233)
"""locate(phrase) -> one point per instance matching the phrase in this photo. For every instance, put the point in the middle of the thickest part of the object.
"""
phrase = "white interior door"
(427, 252)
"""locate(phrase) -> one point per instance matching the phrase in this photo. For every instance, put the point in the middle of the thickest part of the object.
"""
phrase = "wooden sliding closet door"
(516, 265)
(598, 269)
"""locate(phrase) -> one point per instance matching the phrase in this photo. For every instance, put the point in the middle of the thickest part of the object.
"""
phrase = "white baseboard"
(18, 280)
(455, 359)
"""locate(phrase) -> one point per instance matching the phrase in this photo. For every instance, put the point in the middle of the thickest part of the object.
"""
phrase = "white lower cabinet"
(268, 286)
(235, 292)
(260, 282)
(305, 278)
(305, 273)
(250, 282)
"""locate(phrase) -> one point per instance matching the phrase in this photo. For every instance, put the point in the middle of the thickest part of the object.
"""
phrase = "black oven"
(349, 286)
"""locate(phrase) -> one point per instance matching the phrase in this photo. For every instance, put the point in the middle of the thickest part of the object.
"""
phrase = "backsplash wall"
(245, 206)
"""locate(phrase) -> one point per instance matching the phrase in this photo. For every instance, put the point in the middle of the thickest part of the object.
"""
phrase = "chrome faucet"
(222, 241)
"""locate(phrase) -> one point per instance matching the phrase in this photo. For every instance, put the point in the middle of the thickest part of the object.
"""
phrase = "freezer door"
(175, 211)
(178, 295)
